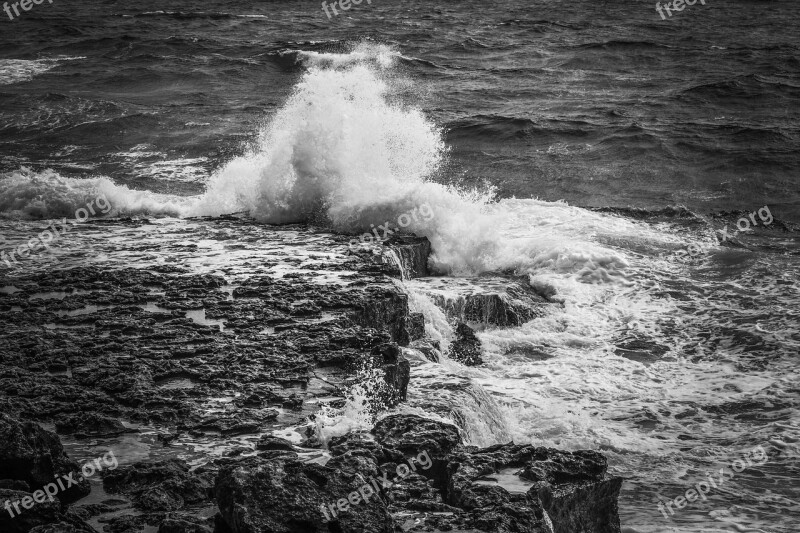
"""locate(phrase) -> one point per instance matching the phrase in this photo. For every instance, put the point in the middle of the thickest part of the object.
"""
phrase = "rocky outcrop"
(397, 372)
(35, 456)
(571, 487)
(412, 434)
(466, 349)
(90, 425)
(161, 486)
(284, 495)
(207, 359)
(42, 517)
(495, 301)
(420, 465)
(410, 253)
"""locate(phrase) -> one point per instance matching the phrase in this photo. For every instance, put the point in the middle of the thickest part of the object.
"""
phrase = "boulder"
(283, 495)
(563, 492)
(35, 456)
(413, 434)
(466, 349)
(161, 486)
(39, 515)
(270, 442)
(90, 425)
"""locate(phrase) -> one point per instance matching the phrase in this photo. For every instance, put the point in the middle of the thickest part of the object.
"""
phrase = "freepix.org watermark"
(403, 221)
(699, 491)
(26, 5)
(343, 4)
(743, 224)
(364, 493)
(52, 232)
(49, 491)
(677, 5)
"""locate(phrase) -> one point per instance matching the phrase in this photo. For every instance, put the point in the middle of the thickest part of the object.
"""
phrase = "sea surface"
(579, 145)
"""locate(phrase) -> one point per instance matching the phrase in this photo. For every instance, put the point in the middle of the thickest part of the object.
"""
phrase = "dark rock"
(429, 348)
(22, 522)
(591, 506)
(413, 253)
(571, 487)
(269, 442)
(125, 524)
(415, 324)
(397, 372)
(284, 495)
(413, 434)
(466, 349)
(14, 484)
(386, 311)
(90, 425)
(29, 453)
(64, 527)
(161, 486)
(184, 525)
(496, 301)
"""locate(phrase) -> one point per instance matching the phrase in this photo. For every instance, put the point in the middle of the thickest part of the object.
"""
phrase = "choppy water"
(670, 368)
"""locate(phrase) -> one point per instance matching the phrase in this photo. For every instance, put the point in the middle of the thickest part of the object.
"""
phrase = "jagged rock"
(125, 524)
(14, 484)
(270, 442)
(284, 495)
(26, 519)
(466, 349)
(497, 301)
(415, 324)
(397, 372)
(31, 454)
(412, 434)
(412, 252)
(184, 524)
(64, 527)
(571, 487)
(90, 425)
(161, 486)
(431, 349)
(386, 310)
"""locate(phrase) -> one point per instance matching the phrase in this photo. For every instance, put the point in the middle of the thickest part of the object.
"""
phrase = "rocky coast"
(213, 355)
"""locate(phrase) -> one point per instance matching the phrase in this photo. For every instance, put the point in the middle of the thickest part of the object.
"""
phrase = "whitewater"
(350, 150)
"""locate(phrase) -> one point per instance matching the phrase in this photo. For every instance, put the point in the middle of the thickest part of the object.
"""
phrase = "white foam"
(19, 70)
(28, 194)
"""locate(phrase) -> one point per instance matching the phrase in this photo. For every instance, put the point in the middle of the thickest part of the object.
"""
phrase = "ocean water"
(578, 146)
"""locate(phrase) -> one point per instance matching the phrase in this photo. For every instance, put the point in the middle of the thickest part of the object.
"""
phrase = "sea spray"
(28, 194)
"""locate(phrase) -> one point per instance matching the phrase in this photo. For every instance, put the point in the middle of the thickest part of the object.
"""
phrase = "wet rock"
(412, 253)
(386, 310)
(466, 349)
(64, 527)
(397, 372)
(415, 324)
(498, 301)
(430, 349)
(571, 487)
(125, 524)
(14, 484)
(35, 456)
(22, 522)
(413, 434)
(285, 495)
(90, 425)
(359, 443)
(185, 524)
(161, 486)
(269, 442)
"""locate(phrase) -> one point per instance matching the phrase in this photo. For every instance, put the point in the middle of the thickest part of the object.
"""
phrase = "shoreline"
(211, 379)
